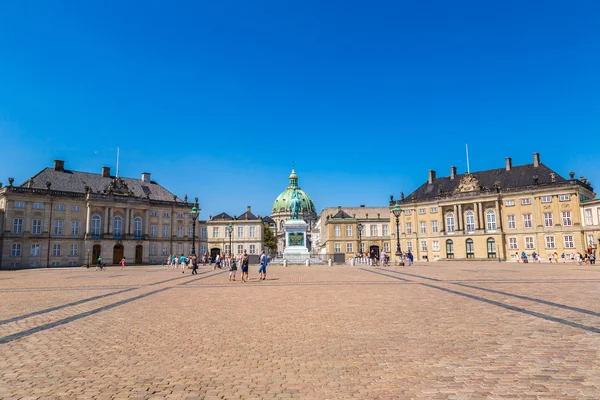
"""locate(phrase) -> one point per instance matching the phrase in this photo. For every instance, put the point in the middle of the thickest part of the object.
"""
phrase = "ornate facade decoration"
(468, 183)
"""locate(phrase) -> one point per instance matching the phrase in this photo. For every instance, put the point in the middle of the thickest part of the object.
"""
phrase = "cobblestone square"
(445, 330)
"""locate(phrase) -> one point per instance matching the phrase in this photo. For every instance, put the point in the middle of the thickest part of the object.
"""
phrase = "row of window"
(544, 199)
(240, 232)
(373, 230)
(568, 242)
(491, 225)
(337, 247)
(40, 206)
(35, 250)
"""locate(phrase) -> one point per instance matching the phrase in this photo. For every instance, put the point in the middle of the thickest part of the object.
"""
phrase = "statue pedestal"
(295, 251)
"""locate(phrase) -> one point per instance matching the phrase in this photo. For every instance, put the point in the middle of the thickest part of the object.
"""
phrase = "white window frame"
(567, 219)
(526, 201)
(179, 231)
(15, 250)
(337, 247)
(74, 250)
(252, 231)
(165, 215)
(60, 207)
(154, 213)
(529, 242)
(152, 250)
(490, 217)
(348, 230)
(373, 230)
(38, 206)
(564, 197)
(349, 247)
(56, 250)
(546, 199)
(118, 226)
(385, 230)
(18, 225)
(75, 209)
(409, 245)
(527, 220)
(75, 228)
(165, 250)
(435, 245)
(204, 232)
(589, 219)
(240, 249)
(240, 231)
(137, 227)
(509, 203)
(512, 243)
(450, 222)
(409, 228)
(434, 226)
(407, 212)
(423, 245)
(166, 231)
(569, 241)
(58, 227)
(96, 224)
(511, 222)
(36, 250)
(180, 215)
(386, 247)
(433, 210)
(550, 242)
(423, 227)
(215, 232)
(153, 230)
(422, 211)
(548, 219)
(470, 221)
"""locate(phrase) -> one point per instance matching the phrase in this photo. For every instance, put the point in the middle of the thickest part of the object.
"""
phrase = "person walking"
(217, 262)
(232, 267)
(122, 263)
(245, 267)
(194, 265)
(262, 270)
(100, 266)
(183, 263)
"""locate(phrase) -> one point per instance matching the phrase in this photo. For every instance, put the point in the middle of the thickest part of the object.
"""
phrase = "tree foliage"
(270, 239)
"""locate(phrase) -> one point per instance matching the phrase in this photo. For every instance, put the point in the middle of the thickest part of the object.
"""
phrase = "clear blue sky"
(217, 98)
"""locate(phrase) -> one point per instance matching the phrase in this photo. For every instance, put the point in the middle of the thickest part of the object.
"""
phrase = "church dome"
(282, 203)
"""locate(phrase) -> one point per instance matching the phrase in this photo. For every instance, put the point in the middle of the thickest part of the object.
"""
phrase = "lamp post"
(88, 258)
(397, 211)
(230, 231)
(360, 228)
(194, 215)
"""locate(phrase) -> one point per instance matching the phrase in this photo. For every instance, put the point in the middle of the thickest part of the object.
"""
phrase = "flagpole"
(117, 162)
(468, 169)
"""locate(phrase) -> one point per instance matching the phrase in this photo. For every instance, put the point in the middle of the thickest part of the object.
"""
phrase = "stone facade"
(78, 217)
(494, 214)
(338, 230)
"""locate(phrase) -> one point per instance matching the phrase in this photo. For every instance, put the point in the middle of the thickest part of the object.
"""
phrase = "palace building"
(498, 213)
(61, 217)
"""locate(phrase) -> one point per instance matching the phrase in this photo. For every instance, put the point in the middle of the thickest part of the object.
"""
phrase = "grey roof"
(74, 181)
(222, 216)
(247, 216)
(342, 214)
(518, 176)
(268, 220)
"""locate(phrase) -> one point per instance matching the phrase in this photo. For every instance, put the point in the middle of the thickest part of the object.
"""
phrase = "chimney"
(536, 159)
(106, 172)
(452, 172)
(248, 207)
(508, 163)
(59, 165)
(146, 177)
(431, 176)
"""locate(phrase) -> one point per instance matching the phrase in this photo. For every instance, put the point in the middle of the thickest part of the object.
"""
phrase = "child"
(122, 263)
(232, 268)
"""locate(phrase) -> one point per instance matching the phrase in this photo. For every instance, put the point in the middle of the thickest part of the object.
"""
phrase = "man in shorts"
(262, 270)
(245, 267)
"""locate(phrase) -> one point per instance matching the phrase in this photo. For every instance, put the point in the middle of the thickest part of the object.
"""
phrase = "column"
(146, 223)
(110, 220)
(443, 219)
(475, 215)
(455, 218)
(498, 216)
(106, 221)
(127, 231)
(479, 212)
(460, 218)
(88, 220)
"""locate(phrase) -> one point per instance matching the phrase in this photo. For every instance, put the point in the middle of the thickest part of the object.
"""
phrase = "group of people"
(588, 257)
(183, 262)
(244, 261)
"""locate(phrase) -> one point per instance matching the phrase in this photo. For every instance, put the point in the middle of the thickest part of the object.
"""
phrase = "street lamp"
(88, 258)
(360, 228)
(397, 211)
(229, 229)
(194, 213)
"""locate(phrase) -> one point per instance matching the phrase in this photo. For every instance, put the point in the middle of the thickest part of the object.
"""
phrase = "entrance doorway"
(96, 253)
(213, 253)
(138, 253)
(117, 253)
(374, 249)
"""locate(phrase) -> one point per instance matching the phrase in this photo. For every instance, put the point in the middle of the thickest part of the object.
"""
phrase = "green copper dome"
(282, 203)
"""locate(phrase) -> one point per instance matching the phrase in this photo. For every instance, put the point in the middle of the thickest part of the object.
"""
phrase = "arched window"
(449, 249)
(117, 226)
(137, 227)
(470, 221)
(96, 226)
(491, 220)
(491, 248)
(450, 222)
(470, 248)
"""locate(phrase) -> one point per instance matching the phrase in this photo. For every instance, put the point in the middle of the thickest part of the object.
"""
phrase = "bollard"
(284, 262)
(353, 262)
(330, 262)
(308, 262)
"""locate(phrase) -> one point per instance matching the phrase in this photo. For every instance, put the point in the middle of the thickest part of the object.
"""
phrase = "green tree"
(270, 239)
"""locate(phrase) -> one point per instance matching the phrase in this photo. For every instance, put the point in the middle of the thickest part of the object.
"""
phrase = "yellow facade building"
(494, 214)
